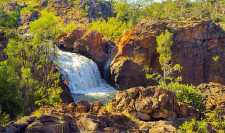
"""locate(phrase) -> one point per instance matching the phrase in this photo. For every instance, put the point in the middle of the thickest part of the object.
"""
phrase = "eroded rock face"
(195, 43)
(65, 95)
(151, 103)
(96, 7)
(213, 96)
(87, 43)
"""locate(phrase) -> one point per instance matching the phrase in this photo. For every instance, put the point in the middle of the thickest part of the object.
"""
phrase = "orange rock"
(195, 43)
(66, 82)
(88, 43)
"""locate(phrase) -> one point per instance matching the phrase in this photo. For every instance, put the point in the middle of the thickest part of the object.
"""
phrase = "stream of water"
(84, 78)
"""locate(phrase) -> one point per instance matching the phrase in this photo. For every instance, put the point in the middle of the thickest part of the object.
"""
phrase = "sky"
(161, 0)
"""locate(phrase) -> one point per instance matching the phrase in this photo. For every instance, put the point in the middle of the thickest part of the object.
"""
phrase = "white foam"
(83, 75)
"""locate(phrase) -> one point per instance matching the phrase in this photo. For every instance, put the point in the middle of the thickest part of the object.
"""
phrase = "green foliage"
(70, 27)
(9, 20)
(110, 29)
(194, 126)
(108, 107)
(4, 118)
(165, 42)
(46, 27)
(9, 101)
(130, 116)
(29, 9)
(25, 76)
(37, 84)
(186, 94)
(130, 11)
(84, 11)
(200, 10)
(215, 63)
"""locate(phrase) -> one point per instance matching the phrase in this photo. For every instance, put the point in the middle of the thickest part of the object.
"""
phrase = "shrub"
(110, 29)
(186, 94)
(4, 118)
(212, 122)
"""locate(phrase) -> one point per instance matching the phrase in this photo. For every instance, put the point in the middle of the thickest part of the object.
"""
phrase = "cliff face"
(195, 43)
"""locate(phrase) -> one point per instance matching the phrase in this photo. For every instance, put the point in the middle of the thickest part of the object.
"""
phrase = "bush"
(110, 29)
(186, 94)
(4, 118)
(213, 121)
(9, 20)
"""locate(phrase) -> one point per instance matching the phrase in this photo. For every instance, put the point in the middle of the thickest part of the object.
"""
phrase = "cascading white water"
(83, 76)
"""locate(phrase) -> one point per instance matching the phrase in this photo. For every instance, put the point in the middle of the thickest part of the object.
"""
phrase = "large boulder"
(151, 103)
(195, 43)
(49, 124)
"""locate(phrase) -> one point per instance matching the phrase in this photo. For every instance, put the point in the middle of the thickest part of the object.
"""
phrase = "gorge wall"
(195, 43)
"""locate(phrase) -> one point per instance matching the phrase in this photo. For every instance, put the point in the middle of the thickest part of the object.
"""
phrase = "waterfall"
(106, 68)
(83, 75)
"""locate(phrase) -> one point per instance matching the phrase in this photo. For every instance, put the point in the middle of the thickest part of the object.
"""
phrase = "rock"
(83, 106)
(96, 7)
(65, 95)
(151, 103)
(158, 126)
(19, 126)
(1, 128)
(213, 96)
(95, 107)
(49, 124)
(136, 48)
(143, 116)
(162, 129)
(87, 43)
(9, 129)
(66, 82)
(71, 107)
(88, 124)
(26, 120)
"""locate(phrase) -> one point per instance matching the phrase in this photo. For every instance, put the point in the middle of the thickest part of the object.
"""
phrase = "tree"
(9, 91)
(165, 42)
(130, 11)
(32, 60)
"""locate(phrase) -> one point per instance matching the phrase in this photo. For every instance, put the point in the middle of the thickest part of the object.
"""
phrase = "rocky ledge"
(151, 109)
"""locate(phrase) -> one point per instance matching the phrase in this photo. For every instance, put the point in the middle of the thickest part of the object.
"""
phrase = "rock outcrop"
(195, 43)
(87, 43)
(65, 95)
(151, 103)
(98, 9)
(151, 109)
(213, 97)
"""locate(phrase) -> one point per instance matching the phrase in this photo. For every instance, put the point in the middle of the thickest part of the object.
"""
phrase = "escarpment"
(195, 44)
